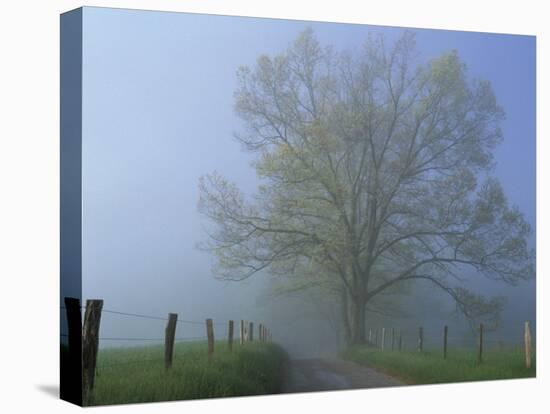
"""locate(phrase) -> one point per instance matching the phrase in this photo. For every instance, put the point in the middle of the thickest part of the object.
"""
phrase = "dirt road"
(327, 374)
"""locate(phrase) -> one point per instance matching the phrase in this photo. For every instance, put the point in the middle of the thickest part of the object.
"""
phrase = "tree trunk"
(357, 321)
(346, 317)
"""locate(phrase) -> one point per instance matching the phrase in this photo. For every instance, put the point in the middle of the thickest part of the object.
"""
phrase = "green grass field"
(137, 374)
(429, 367)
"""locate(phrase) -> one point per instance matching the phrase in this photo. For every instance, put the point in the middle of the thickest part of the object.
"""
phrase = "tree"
(375, 172)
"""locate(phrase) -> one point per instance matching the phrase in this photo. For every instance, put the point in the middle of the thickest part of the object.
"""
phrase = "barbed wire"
(143, 316)
(135, 315)
(194, 338)
(136, 361)
(152, 317)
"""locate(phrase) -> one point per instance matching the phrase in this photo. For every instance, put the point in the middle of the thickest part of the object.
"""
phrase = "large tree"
(375, 172)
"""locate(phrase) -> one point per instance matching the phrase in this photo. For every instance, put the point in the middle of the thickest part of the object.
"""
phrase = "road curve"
(329, 374)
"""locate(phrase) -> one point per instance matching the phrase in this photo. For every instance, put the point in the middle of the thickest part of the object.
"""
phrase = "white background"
(29, 204)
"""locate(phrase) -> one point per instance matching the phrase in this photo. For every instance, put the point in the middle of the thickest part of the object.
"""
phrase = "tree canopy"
(375, 170)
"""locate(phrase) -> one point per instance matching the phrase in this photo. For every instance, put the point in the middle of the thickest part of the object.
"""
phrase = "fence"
(395, 341)
(84, 337)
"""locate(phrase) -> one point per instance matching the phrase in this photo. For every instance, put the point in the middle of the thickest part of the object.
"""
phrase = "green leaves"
(375, 168)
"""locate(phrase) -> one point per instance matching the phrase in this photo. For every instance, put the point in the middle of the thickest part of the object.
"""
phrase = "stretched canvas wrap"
(254, 206)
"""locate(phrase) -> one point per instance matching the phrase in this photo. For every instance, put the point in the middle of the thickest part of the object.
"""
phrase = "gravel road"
(328, 374)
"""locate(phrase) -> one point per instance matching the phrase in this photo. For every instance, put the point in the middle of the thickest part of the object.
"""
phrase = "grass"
(137, 374)
(429, 367)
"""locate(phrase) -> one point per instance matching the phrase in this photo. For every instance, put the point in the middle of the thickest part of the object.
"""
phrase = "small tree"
(375, 172)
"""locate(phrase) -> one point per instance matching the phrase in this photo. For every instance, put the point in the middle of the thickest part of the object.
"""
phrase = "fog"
(158, 114)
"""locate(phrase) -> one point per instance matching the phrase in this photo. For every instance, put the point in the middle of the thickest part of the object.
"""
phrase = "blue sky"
(158, 114)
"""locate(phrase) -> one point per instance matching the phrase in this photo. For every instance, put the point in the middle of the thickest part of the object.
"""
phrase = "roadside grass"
(429, 367)
(137, 374)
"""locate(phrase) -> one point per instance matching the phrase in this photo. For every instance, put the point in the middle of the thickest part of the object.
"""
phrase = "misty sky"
(158, 113)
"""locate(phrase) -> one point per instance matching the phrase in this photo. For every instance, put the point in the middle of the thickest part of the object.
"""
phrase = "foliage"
(375, 172)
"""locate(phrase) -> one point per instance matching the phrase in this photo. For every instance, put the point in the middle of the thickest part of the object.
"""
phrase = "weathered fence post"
(400, 340)
(480, 350)
(445, 332)
(243, 332)
(90, 343)
(376, 337)
(527, 338)
(259, 332)
(370, 336)
(230, 335)
(71, 365)
(383, 338)
(210, 336)
(169, 338)
(251, 331)
(392, 338)
(420, 339)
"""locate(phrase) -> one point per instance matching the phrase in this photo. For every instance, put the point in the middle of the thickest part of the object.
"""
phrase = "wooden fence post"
(400, 340)
(90, 343)
(480, 350)
(376, 337)
(420, 339)
(370, 336)
(251, 331)
(71, 365)
(210, 336)
(392, 338)
(230, 335)
(383, 338)
(243, 331)
(169, 338)
(528, 345)
(445, 332)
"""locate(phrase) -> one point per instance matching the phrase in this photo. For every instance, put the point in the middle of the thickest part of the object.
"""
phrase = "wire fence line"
(151, 317)
(101, 367)
(138, 361)
(456, 333)
(393, 339)
(83, 336)
(181, 339)
(193, 338)
(143, 316)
